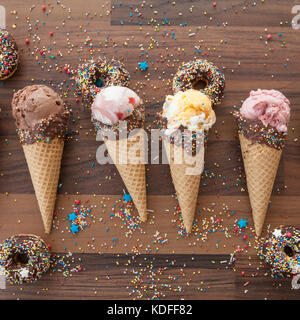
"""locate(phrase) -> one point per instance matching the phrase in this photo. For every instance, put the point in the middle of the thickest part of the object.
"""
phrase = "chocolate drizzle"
(46, 129)
(191, 140)
(135, 121)
(257, 132)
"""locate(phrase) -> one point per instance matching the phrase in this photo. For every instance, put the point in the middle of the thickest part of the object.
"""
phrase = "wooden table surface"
(110, 259)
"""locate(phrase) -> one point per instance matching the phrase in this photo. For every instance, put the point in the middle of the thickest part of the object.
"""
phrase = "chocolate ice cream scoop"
(35, 103)
(40, 114)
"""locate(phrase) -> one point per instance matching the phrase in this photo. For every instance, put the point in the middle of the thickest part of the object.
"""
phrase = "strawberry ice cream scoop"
(113, 104)
(271, 107)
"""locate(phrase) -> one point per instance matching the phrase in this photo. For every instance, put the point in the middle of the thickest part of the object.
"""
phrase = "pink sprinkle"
(269, 37)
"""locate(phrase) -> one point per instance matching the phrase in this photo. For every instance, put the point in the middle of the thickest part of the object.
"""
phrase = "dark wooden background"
(234, 36)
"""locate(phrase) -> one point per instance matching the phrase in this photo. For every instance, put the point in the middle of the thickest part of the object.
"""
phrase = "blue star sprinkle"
(143, 66)
(74, 228)
(127, 197)
(72, 216)
(242, 223)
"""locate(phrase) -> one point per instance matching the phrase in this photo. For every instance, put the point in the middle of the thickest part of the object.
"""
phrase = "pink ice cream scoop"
(113, 104)
(271, 107)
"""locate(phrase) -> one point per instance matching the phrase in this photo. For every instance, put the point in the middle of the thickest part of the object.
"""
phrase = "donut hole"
(99, 80)
(288, 251)
(19, 259)
(200, 84)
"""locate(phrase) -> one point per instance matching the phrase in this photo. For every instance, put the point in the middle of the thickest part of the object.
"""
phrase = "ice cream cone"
(261, 163)
(44, 160)
(132, 174)
(41, 121)
(186, 179)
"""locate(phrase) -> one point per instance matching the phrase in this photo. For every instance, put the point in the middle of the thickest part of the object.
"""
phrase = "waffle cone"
(186, 179)
(43, 160)
(261, 164)
(132, 174)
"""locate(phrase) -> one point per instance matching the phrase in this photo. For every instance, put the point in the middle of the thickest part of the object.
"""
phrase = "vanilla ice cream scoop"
(113, 104)
(191, 109)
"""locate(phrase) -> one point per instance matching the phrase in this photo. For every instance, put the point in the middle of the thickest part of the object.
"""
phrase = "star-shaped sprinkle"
(277, 233)
(74, 228)
(143, 66)
(72, 216)
(24, 273)
(242, 223)
(127, 197)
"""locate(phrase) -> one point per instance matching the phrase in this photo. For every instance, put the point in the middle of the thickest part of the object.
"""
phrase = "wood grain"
(233, 36)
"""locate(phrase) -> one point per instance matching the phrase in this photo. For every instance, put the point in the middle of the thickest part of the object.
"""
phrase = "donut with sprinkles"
(9, 55)
(24, 258)
(94, 75)
(281, 250)
(193, 72)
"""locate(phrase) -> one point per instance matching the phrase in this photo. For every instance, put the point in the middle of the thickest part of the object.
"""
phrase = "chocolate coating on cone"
(40, 114)
(192, 141)
(135, 121)
(256, 131)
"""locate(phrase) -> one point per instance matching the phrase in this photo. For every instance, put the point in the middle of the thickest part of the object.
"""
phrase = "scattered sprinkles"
(78, 217)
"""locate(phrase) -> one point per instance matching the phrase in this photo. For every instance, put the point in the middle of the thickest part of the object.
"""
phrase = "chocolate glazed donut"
(24, 258)
(94, 75)
(9, 55)
(281, 251)
(193, 72)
